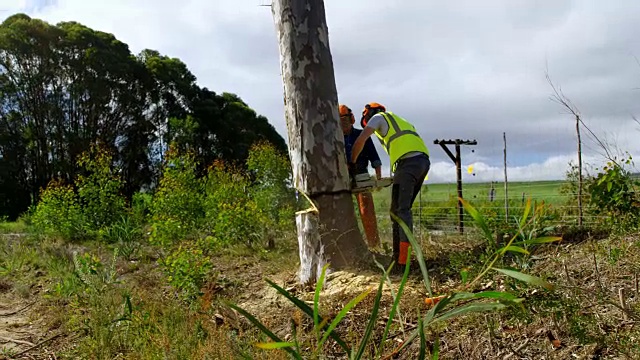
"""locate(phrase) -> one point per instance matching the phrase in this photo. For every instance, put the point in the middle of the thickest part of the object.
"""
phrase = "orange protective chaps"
(368, 216)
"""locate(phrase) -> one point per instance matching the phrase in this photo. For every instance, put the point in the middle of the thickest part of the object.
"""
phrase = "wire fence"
(483, 185)
(435, 210)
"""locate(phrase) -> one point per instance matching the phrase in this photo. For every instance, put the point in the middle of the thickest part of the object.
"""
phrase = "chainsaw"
(368, 183)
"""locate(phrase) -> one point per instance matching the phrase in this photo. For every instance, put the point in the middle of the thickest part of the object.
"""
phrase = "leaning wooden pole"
(457, 160)
(459, 187)
(328, 230)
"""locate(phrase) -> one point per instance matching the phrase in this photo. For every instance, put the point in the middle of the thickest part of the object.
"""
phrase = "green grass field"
(436, 207)
(548, 191)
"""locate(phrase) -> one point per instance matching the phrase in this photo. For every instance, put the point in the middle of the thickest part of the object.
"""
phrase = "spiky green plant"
(455, 304)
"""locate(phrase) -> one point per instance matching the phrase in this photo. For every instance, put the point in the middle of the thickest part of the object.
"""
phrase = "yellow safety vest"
(401, 138)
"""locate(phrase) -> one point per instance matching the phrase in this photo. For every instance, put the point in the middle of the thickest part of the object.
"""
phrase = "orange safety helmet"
(346, 112)
(369, 110)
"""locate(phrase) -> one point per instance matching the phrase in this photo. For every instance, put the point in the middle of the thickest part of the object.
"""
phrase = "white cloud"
(456, 70)
(553, 168)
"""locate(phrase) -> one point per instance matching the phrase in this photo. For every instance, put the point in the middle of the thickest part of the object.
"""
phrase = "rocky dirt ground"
(23, 329)
(580, 319)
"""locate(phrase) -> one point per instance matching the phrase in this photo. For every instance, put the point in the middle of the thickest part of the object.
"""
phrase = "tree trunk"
(328, 232)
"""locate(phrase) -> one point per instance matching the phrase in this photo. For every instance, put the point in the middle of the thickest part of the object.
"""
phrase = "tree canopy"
(65, 87)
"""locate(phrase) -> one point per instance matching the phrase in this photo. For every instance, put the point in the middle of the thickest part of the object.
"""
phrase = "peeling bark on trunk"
(329, 232)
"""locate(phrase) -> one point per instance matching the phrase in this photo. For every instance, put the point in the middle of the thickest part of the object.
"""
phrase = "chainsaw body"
(368, 183)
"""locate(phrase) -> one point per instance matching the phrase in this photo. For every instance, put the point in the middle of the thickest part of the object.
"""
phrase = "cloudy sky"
(460, 69)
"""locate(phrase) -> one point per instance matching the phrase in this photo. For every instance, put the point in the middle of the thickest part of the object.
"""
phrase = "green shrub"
(187, 268)
(177, 206)
(613, 194)
(98, 202)
(58, 213)
(190, 216)
(140, 207)
(95, 276)
(126, 234)
(272, 188)
(99, 188)
(232, 216)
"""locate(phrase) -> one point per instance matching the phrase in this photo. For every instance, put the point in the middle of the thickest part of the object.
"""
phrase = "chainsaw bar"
(371, 184)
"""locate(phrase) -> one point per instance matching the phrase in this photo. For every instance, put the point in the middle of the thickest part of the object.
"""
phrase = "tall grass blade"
(396, 302)
(469, 308)
(373, 318)
(542, 240)
(478, 219)
(437, 308)
(294, 333)
(264, 329)
(534, 280)
(419, 254)
(385, 274)
(431, 318)
(406, 343)
(275, 345)
(342, 314)
(525, 214)
(423, 341)
(436, 314)
(307, 310)
(428, 319)
(503, 297)
(513, 248)
(461, 296)
(316, 296)
(498, 295)
(464, 276)
(436, 349)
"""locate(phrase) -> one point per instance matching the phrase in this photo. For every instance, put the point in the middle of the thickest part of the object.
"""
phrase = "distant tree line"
(66, 87)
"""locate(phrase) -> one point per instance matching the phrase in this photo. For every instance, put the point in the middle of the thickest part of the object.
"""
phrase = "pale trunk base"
(327, 237)
(311, 250)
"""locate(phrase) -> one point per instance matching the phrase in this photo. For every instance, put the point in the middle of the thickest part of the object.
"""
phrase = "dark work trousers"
(407, 181)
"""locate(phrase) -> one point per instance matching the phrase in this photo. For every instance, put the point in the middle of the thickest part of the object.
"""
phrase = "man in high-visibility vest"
(409, 158)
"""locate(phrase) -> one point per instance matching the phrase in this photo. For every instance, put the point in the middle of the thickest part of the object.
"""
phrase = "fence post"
(506, 182)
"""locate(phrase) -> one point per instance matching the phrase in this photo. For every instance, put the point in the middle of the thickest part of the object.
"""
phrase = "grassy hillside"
(548, 191)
